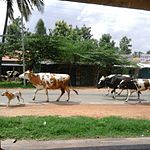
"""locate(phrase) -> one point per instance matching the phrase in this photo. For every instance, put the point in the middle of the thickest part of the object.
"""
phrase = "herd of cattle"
(48, 81)
(124, 82)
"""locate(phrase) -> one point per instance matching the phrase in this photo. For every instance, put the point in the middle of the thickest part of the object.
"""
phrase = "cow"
(49, 81)
(137, 85)
(104, 82)
(112, 81)
(12, 75)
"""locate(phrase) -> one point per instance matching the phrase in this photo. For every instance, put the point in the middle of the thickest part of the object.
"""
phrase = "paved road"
(86, 96)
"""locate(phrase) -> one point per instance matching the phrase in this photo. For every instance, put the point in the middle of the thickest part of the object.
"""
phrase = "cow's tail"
(75, 91)
(73, 88)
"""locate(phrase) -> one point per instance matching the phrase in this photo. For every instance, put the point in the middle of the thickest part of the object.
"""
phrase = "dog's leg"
(21, 96)
(18, 99)
(8, 104)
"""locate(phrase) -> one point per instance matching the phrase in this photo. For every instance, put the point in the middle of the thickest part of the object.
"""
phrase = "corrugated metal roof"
(15, 65)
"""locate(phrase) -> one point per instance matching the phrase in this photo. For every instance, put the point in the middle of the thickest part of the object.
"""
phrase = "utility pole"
(22, 37)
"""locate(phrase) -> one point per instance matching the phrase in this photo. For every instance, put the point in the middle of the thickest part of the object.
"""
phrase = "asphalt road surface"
(86, 96)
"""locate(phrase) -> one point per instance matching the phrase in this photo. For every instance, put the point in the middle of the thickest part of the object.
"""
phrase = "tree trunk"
(4, 37)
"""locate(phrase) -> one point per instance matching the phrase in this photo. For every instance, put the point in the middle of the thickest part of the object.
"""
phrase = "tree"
(84, 32)
(105, 55)
(125, 46)
(148, 52)
(40, 48)
(61, 29)
(106, 42)
(14, 31)
(40, 28)
(71, 42)
(27, 6)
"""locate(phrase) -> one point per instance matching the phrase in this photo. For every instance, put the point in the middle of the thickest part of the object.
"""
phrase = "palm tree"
(27, 6)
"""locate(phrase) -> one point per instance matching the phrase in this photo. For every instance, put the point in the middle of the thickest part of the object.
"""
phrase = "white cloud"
(119, 22)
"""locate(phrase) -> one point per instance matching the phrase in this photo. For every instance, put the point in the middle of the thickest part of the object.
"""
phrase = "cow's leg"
(120, 92)
(62, 92)
(114, 93)
(68, 92)
(35, 94)
(128, 95)
(47, 95)
(108, 91)
(139, 96)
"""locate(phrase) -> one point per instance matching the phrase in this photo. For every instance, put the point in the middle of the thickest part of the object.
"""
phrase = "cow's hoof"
(113, 97)
(57, 100)
(33, 99)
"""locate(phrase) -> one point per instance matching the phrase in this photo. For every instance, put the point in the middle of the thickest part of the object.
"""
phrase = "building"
(11, 64)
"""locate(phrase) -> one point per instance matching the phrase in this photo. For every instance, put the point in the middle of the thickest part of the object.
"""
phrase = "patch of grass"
(14, 84)
(53, 127)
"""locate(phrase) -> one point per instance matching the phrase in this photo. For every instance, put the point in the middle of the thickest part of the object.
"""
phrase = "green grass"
(71, 127)
(14, 84)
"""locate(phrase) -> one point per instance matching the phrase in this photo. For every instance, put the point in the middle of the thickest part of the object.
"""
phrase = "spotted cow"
(48, 81)
(12, 75)
(137, 85)
(112, 81)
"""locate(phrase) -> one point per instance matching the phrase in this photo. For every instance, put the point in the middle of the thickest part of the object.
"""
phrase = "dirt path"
(92, 110)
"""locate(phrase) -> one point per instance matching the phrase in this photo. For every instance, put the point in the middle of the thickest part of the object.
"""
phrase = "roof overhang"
(135, 4)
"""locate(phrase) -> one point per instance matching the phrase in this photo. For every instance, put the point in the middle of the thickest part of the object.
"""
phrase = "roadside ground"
(90, 102)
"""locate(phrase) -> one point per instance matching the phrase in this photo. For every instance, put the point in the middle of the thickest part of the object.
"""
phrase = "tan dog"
(13, 95)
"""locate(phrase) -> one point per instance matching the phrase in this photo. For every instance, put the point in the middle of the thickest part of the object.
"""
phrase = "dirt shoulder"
(91, 110)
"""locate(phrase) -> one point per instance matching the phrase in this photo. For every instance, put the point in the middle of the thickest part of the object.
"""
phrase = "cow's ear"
(30, 71)
(102, 78)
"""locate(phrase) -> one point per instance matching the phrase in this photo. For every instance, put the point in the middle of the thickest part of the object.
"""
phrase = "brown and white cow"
(48, 81)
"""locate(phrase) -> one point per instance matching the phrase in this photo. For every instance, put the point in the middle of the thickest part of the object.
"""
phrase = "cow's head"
(101, 82)
(25, 75)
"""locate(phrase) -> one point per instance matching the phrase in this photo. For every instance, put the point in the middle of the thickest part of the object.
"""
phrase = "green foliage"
(64, 44)
(104, 54)
(125, 46)
(40, 28)
(46, 128)
(14, 84)
(61, 29)
(148, 52)
(14, 31)
(106, 42)
(39, 48)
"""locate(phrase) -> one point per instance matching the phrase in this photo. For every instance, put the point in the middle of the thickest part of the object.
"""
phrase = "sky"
(118, 22)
